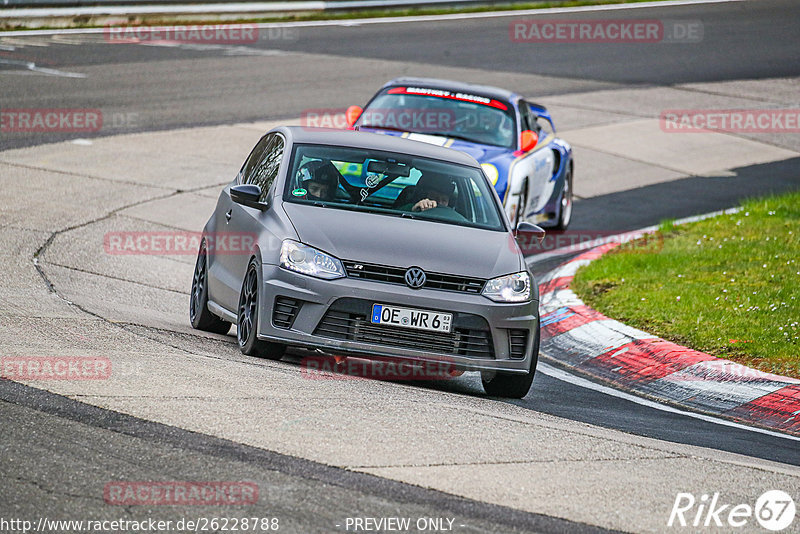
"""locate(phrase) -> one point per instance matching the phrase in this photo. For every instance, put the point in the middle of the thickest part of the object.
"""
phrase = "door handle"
(228, 215)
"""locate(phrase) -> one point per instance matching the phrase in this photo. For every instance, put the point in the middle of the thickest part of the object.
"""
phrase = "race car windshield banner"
(442, 93)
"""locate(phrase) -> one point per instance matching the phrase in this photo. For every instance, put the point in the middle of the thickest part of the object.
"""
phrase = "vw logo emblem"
(415, 278)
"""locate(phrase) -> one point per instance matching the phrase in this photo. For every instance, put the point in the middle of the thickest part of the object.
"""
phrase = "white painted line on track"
(565, 376)
(33, 67)
(386, 20)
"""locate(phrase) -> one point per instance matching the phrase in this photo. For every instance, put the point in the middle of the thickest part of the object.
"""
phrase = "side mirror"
(527, 140)
(529, 228)
(352, 114)
(248, 195)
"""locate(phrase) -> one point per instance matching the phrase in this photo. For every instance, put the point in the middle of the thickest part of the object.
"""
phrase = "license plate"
(411, 318)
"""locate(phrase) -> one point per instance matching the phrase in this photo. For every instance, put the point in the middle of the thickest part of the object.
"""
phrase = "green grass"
(419, 11)
(728, 286)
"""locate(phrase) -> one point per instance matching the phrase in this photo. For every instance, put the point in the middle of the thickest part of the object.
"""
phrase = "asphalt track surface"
(168, 88)
(66, 430)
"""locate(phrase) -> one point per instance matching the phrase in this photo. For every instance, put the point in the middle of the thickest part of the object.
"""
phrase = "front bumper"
(308, 307)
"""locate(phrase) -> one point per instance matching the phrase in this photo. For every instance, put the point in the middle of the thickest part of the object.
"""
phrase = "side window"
(536, 124)
(533, 120)
(262, 167)
(524, 116)
(253, 158)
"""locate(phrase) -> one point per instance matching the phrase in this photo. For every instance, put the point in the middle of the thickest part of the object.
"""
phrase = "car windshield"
(438, 112)
(391, 184)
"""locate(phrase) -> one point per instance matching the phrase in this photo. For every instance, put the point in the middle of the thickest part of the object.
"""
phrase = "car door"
(538, 165)
(237, 226)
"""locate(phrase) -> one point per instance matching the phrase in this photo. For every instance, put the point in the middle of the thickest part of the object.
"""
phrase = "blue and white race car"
(513, 139)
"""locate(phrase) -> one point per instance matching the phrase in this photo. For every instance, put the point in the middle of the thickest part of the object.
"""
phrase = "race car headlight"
(491, 172)
(303, 259)
(509, 288)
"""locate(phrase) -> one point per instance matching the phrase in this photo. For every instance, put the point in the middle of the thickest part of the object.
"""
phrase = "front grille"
(348, 319)
(517, 342)
(397, 275)
(285, 312)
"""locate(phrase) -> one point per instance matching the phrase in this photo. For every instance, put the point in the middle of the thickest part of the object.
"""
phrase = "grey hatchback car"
(371, 246)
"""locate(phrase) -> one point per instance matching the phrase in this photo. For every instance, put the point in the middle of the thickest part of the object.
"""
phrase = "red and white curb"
(581, 338)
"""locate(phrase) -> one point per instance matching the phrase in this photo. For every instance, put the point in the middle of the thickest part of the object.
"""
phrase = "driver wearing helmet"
(435, 191)
(319, 178)
(432, 191)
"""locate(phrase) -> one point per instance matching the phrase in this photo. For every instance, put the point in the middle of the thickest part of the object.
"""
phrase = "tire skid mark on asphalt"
(522, 462)
(44, 247)
(102, 178)
(118, 278)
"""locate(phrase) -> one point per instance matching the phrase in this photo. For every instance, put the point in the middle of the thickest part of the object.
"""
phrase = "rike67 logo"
(774, 510)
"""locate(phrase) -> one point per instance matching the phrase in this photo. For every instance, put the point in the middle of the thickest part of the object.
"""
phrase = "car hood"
(500, 157)
(387, 240)
(482, 153)
(479, 151)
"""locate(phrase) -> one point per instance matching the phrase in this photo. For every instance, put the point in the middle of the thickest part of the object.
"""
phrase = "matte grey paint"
(368, 238)
(388, 240)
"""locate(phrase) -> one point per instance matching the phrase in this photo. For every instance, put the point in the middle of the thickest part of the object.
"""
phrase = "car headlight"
(308, 260)
(491, 172)
(509, 288)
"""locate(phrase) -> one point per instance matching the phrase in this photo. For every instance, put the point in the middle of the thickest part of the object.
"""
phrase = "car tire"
(565, 213)
(512, 386)
(247, 317)
(199, 315)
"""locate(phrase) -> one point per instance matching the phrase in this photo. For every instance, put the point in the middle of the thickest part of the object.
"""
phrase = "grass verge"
(728, 286)
(87, 21)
